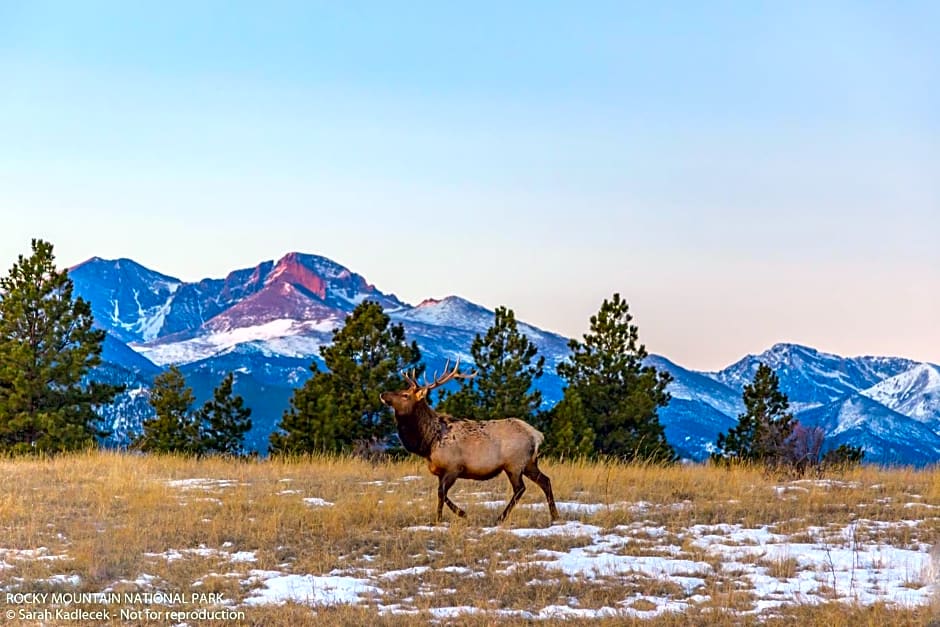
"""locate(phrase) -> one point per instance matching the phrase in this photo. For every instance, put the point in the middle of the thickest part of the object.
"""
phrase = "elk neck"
(420, 429)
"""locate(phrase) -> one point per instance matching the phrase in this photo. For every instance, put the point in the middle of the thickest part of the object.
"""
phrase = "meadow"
(154, 540)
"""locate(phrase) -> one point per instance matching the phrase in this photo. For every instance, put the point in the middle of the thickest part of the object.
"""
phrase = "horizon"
(743, 175)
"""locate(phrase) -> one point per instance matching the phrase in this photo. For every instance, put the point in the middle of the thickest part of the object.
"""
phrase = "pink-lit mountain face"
(143, 307)
(289, 308)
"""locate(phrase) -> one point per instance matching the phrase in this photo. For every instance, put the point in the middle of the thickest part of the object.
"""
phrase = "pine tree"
(502, 388)
(47, 351)
(763, 433)
(843, 456)
(340, 406)
(223, 421)
(567, 432)
(312, 423)
(618, 394)
(174, 429)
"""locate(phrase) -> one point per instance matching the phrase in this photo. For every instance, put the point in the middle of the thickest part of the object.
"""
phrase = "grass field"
(343, 541)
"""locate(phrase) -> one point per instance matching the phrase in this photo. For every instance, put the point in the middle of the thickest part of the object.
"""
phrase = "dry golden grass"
(112, 518)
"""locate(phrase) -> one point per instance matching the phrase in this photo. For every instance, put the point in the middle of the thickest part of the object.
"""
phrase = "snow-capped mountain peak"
(450, 311)
(128, 299)
(811, 378)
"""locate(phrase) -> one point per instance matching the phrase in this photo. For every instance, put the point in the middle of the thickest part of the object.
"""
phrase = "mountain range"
(267, 324)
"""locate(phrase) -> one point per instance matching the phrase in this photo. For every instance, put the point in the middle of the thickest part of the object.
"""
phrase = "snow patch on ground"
(308, 589)
(315, 501)
(205, 552)
(202, 483)
(405, 572)
(426, 528)
(62, 580)
(834, 566)
(143, 581)
(20, 555)
(569, 528)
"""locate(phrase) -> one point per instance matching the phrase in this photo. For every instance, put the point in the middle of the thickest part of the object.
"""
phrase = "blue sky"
(743, 173)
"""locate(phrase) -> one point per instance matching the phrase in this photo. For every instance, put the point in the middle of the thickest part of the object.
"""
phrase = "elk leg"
(444, 484)
(454, 508)
(518, 487)
(541, 480)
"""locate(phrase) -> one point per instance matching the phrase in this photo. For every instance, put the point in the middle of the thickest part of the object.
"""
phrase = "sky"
(742, 173)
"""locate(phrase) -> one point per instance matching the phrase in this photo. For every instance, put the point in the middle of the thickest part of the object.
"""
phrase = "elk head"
(404, 401)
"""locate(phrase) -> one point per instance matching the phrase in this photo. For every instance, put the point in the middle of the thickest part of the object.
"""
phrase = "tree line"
(609, 407)
(610, 403)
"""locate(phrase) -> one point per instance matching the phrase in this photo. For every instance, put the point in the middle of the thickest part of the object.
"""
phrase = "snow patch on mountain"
(914, 393)
(277, 337)
(851, 413)
(452, 311)
(149, 322)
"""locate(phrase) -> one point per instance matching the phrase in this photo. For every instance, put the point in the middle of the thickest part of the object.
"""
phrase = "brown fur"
(467, 449)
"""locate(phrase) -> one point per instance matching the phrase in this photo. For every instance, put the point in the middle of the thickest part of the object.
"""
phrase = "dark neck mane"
(419, 429)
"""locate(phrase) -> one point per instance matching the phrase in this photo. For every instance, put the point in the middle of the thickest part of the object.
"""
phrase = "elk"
(466, 449)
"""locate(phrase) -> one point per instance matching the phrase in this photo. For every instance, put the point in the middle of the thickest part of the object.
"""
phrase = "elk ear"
(420, 394)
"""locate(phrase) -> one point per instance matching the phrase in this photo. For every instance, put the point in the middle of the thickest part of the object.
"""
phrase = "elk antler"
(447, 376)
(410, 380)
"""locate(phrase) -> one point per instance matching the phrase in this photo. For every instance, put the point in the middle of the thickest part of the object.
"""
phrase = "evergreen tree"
(567, 432)
(47, 350)
(843, 456)
(618, 394)
(219, 426)
(340, 406)
(174, 429)
(502, 387)
(223, 421)
(764, 430)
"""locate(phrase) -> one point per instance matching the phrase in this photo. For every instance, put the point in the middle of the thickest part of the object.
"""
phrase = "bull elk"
(466, 449)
